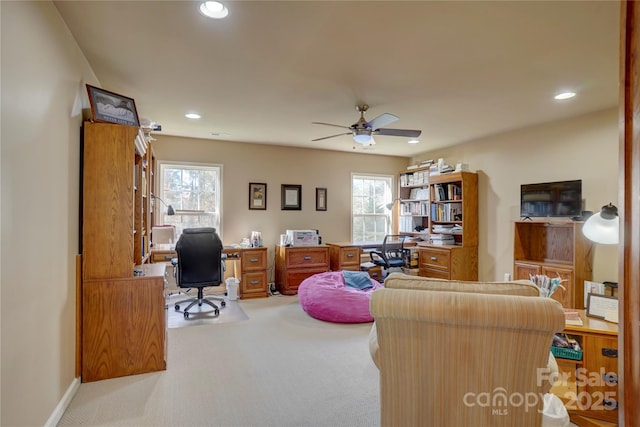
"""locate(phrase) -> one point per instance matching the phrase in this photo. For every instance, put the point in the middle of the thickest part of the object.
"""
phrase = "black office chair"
(393, 254)
(199, 264)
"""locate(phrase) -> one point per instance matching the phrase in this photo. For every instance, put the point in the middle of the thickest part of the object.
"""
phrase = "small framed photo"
(112, 108)
(291, 197)
(257, 196)
(321, 199)
(602, 307)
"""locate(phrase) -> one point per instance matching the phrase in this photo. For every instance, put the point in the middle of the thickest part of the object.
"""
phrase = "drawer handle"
(167, 257)
(307, 258)
(349, 255)
(610, 352)
(610, 404)
(253, 259)
(434, 258)
(610, 378)
(254, 282)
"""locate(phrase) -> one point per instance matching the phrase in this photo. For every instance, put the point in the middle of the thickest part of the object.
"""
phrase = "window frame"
(390, 182)
(159, 185)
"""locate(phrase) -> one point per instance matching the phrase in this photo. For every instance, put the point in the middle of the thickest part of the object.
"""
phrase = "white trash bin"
(232, 288)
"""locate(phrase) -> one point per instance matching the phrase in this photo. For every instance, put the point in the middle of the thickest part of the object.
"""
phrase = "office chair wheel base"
(216, 312)
(223, 303)
(177, 307)
(186, 314)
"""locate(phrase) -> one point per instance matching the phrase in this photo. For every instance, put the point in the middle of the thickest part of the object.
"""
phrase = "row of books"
(414, 208)
(445, 192)
(416, 178)
(446, 212)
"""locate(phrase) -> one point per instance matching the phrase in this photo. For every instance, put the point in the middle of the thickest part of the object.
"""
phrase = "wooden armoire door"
(629, 201)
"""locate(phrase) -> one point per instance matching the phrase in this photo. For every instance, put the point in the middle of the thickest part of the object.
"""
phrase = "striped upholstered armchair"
(459, 357)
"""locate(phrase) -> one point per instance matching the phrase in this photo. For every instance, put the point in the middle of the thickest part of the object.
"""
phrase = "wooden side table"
(589, 387)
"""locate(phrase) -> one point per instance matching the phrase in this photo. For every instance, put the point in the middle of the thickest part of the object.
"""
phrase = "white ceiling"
(456, 70)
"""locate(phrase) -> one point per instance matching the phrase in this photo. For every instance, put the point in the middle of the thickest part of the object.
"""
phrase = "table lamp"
(170, 210)
(603, 227)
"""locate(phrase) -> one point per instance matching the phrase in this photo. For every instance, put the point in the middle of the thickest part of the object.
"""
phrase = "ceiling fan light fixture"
(194, 116)
(214, 9)
(362, 138)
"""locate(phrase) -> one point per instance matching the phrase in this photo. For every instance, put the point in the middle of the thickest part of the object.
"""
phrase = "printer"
(303, 237)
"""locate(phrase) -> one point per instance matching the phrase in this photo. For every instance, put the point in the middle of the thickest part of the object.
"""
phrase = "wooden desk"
(346, 255)
(590, 392)
(247, 264)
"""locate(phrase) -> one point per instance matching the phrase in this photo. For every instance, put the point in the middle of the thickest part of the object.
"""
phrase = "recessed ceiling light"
(192, 116)
(413, 141)
(214, 9)
(565, 95)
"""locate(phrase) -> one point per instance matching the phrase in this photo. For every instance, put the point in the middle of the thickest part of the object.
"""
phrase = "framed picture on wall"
(257, 196)
(321, 199)
(111, 107)
(291, 197)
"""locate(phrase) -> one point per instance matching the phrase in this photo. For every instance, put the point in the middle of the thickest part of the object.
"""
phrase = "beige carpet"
(232, 312)
(279, 368)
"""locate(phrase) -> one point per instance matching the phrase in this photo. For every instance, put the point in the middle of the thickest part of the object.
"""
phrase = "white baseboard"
(56, 415)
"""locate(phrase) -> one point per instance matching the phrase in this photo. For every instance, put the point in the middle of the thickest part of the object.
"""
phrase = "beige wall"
(583, 148)
(42, 71)
(275, 165)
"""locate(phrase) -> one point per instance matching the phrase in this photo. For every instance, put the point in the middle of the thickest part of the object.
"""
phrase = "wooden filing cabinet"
(344, 256)
(296, 263)
(448, 262)
(253, 277)
(591, 392)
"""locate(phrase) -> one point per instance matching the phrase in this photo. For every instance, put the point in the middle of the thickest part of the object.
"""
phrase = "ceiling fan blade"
(332, 136)
(399, 132)
(329, 124)
(382, 120)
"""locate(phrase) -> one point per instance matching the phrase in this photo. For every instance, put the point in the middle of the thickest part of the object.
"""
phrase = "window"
(194, 192)
(370, 218)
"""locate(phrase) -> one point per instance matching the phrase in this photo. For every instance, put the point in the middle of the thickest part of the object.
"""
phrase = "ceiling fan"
(363, 130)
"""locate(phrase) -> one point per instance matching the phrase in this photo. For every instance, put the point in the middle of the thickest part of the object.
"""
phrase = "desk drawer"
(253, 283)
(307, 257)
(163, 256)
(435, 258)
(435, 273)
(350, 256)
(254, 260)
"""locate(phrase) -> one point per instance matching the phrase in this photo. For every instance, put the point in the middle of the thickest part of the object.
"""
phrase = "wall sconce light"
(603, 227)
(170, 210)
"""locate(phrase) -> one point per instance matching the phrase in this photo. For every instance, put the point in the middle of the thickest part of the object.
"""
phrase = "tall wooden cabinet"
(452, 249)
(123, 315)
(554, 249)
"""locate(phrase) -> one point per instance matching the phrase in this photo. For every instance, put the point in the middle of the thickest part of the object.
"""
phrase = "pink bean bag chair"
(331, 297)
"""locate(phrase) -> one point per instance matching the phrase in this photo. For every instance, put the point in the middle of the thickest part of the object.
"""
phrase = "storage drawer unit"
(344, 257)
(448, 262)
(294, 264)
(253, 280)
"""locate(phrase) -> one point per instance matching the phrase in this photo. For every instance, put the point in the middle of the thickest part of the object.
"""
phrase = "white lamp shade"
(362, 138)
(601, 230)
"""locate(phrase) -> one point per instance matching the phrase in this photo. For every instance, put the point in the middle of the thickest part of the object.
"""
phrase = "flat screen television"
(551, 199)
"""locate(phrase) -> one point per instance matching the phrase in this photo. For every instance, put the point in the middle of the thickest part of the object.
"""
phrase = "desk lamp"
(170, 210)
(603, 227)
(390, 205)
